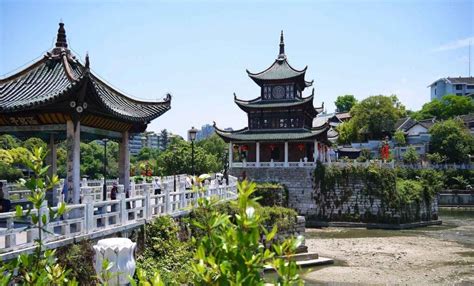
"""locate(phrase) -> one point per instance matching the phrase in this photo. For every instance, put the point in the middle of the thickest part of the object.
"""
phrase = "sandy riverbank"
(418, 257)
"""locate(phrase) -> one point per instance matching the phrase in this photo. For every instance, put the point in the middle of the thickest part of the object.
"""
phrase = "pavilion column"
(52, 196)
(124, 162)
(286, 154)
(73, 162)
(230, 154)
(257, 155)
(316, 151)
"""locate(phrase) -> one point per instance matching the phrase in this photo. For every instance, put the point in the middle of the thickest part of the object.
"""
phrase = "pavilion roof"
(58, 76)
(281, 70)
(271, 135)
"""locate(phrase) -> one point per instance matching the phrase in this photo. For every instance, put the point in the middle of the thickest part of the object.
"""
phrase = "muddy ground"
(436, 255)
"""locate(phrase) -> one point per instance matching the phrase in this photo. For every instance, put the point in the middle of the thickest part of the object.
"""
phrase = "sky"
(199, 50)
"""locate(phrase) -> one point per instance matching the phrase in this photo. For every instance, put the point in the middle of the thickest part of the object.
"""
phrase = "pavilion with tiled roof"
(58, 97)
(280, 130)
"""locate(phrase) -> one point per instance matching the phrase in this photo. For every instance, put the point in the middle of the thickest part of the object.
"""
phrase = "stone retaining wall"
(350, 204)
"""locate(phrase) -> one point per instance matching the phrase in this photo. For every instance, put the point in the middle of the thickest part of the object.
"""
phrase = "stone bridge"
(95, 218)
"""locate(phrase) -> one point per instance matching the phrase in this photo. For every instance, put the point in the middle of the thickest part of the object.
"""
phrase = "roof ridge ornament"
(87, 64)
(281, 55)
(61, 41)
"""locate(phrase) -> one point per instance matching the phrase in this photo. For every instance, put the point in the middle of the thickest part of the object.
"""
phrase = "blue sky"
(199, 50)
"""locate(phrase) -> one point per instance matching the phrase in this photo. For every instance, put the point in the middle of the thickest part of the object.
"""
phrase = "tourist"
(5, 204)
(157, 186)
(113, 196)
(64, 191)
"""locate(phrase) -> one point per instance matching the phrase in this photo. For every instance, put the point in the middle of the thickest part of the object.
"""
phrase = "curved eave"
(276, 135)
(128, 108)
(257, 104)
(40, 84)
(271, 73)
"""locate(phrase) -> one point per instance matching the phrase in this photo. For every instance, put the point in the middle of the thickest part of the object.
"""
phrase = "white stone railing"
(96, 218)
(391, 164)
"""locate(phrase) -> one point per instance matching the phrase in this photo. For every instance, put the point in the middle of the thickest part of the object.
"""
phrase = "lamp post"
(104, 190)
(192, 136)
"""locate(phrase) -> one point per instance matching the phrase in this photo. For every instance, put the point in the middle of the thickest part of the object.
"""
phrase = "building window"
(458, 86)
(471, 86)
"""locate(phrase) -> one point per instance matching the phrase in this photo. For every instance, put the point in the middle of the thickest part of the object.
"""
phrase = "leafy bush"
(78, 258)
(409, 191)
(411, 156)
(166, 252)
(232, 253)
(41, 267)
(271, 194)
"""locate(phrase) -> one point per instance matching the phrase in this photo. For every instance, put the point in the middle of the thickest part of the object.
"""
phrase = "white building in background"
(149, 139)
(463, 86)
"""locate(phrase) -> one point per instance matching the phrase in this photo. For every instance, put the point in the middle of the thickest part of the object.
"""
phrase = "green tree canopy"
(451, 139)
(33, 142)
(8, 142)
(449, 106)
(372, 118)
(399, 138)
(177, 160)
(92, 159)
(344, 103)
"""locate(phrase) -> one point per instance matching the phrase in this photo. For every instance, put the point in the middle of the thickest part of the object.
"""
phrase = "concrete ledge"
(372, 225)
(317, 261)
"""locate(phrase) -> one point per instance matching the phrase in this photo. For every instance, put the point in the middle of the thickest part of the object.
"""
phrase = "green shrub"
(271, 194)
(166, 252)
(409, 191)
(78, 258)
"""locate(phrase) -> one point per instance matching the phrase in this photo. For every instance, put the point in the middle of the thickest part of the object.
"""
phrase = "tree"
(92, 159)
(177, 160)
(344, 103)
(164, 138)
(449, 106)
(33, 142)
(8, 142)
(411, 156)
(347, 132)
(214, 145)
(451, 139)
(373, 118)
(399, 138)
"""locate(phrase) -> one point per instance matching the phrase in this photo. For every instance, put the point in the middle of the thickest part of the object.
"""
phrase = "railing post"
(168, 198)
(44, 211)
(123, 209)
(132, 189)
(88, 213)
(10, 240)
(147, 203)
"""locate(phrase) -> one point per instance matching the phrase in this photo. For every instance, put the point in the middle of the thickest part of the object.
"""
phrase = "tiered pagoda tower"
(280, 130)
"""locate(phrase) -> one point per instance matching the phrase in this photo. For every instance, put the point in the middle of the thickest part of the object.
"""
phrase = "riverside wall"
(342, 204)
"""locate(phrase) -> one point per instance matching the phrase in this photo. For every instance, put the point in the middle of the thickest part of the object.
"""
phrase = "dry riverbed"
(437, 255)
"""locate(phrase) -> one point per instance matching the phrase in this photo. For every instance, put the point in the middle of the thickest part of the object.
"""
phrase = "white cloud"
(455, 45)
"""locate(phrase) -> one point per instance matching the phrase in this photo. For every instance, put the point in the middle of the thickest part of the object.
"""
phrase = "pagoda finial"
(87, 61)
(61, 38)
(282, 47)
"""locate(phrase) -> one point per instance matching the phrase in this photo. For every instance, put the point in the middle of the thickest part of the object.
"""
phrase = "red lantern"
(245, 147)
(272, 147)
(300, 146)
